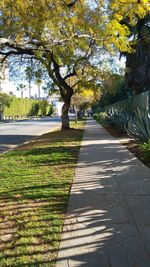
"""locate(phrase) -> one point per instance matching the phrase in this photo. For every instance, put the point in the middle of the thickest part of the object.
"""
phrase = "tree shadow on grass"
(70, 135)
(98, 215)
(48, 156)
(30, 226)
(32, 208)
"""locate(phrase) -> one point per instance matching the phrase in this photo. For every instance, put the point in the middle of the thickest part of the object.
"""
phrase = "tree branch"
(70, 75)
(62, 83)
(71, 4)
(13, 52)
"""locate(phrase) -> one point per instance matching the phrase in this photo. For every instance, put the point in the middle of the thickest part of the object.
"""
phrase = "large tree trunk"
(21, 93)
(66, 92)
(64, 116)
(138, 70)
(39, 91)
(1, 115)
(137, 77)
(29, 89)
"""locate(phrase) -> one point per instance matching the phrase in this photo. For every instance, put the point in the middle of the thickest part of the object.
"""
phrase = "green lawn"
(35, 181)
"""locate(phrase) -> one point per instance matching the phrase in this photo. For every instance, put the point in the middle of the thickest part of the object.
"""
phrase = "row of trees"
(67, 38)
(35, 76)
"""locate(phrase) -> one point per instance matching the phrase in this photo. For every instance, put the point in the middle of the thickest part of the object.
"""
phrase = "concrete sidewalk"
(108, 219)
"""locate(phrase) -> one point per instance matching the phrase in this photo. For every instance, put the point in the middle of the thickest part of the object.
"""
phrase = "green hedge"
(26, 107)
(141, 101)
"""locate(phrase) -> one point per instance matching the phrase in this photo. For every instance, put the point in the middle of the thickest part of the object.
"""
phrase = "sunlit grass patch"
(34, 190)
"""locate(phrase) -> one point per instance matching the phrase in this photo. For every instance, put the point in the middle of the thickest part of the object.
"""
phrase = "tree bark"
(39, 91)
(64, 116)
(66, 92)
(137, 77)
(1, 115)
(29, 89)
(76, 114)
(21, 93)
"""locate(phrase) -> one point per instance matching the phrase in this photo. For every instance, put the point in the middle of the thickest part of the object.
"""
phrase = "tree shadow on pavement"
(107, 222)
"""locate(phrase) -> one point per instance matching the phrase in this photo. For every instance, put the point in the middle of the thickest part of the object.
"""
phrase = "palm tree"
(38, 81)
(21, 87)
(46, 88)
(29, 77)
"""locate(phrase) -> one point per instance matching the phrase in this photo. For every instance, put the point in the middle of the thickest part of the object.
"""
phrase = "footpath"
(108, 218)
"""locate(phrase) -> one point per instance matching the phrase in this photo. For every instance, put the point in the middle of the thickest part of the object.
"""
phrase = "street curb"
(27, 142)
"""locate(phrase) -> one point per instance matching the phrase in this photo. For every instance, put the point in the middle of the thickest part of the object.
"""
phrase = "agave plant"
(119, 117)
(139, 126)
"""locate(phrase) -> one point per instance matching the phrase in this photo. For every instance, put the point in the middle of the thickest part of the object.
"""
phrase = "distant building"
(57, 105)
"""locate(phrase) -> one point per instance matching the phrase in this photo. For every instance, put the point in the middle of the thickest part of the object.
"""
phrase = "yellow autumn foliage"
(52, 20)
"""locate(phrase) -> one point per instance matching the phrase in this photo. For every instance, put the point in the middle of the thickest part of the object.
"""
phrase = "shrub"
(50, 110)
(18, 107)
(5, 101)
(146, 149)
(43, 104)
(26, 107)
(34, 110)
(100, 117)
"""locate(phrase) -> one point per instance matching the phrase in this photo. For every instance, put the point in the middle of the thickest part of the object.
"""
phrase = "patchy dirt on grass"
(52, 137)
(129, 143)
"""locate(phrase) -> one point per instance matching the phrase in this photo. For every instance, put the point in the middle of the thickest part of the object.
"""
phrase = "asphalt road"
(16, 133)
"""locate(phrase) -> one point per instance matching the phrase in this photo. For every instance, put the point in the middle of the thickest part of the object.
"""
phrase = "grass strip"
(35, 180)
